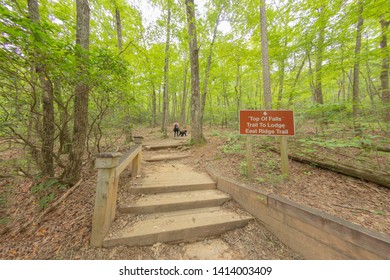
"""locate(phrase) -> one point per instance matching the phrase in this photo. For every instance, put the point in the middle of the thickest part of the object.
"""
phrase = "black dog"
(183, 133)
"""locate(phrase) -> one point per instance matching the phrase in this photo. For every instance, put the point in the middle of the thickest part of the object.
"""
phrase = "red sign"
(267, 122)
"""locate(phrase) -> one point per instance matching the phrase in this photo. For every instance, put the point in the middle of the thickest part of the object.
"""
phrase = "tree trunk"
(349, 74)
(48, 124)
(265, 57)
(290, 98)
(35, 122)
(184, 100)
(159, 99)
(311, 80)
(355, 89)
(208, 67)
(342, 87)
(64, 137)
(225, 108)
(365, 173)
(370, 87)
(48, 127)
(73, 173)
(154, 107)
(211, 112)
(196, 114)
(118, 28)
(282, 67)
(318, 97)
(384, 76)
(164, 123)
(237, 89)
(174, 107)
(127, 119)
(281, 82)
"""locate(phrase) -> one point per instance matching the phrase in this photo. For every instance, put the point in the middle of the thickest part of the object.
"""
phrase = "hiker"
(176, 129)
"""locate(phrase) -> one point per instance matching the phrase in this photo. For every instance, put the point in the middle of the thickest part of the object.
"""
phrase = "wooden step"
(167, 157)
(176, 177)
(178, 226)
(153, 189)
(165, 146)
(176, 201)
(173, 182)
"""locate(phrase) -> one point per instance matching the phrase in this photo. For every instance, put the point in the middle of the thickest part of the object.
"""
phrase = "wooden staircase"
(175, 204)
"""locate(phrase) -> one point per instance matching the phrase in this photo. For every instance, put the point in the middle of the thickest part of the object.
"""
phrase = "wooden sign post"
(267, 123)
(284, 156)
(249, 163)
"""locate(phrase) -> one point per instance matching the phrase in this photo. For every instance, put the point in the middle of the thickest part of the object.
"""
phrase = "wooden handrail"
(133, 153)
(110, 166)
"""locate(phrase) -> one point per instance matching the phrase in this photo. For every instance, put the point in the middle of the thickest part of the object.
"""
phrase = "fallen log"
(164, 146)
(57, 202)
(366, 174)
(378, 148)
(36, 221)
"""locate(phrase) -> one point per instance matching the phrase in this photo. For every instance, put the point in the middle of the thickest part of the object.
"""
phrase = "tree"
(209, 60)
(118, 22)
(196, 114)
(356, 73)
(309, 51)
(73, 172)
(48, 124)
(265, 57)
(165, 115)
(322, 20)
(184, 95)
(384, 76)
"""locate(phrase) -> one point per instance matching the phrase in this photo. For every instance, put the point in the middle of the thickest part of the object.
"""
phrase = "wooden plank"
(296, 225)
(174, 201)
(178, 227)
(129, 159)
(102, 216)
(166, 157)
(249, 157)
(164, 146)
(105, 198)
(284, 156)
(364, 243)
(149, 189)
(323, 238)
(136, 166)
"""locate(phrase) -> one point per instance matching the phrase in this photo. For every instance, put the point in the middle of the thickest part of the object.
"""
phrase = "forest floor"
(65, 231)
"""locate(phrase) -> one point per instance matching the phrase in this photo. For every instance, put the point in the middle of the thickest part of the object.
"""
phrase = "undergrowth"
(45, 191)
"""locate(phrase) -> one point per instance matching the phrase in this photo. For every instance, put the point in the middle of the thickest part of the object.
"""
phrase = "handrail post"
(105, 200)
(136, 164)
(138, 140)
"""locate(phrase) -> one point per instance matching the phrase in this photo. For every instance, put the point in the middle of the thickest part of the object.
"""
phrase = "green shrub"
(231, 148)
(44, 191)
(45, 200)
(215, 133)
(243, 168)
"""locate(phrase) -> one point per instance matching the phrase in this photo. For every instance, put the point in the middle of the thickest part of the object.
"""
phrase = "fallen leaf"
(41, 232)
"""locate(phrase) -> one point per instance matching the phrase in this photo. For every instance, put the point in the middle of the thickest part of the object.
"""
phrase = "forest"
(78, 78)
(67, 76)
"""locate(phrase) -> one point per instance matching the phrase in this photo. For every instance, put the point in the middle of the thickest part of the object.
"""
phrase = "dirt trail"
(253, 241)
